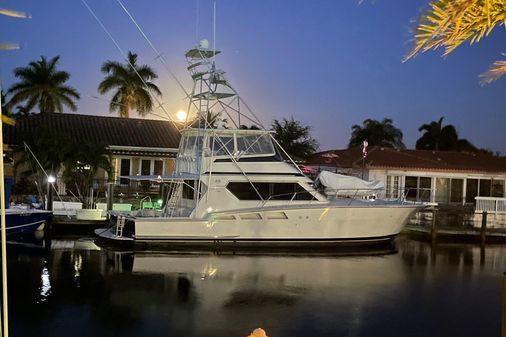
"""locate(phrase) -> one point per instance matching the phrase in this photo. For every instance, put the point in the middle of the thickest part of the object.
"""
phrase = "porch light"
(51, 179)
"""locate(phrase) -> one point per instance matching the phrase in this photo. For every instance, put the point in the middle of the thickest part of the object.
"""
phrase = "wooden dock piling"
(433, 231)
(483, 232)
(503, 330)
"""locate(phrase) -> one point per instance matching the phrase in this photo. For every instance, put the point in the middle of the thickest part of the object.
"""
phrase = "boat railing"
(410, 195)
(290, 197)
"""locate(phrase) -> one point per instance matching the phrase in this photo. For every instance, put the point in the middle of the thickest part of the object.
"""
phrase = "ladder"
(175, 192)
(120, 224)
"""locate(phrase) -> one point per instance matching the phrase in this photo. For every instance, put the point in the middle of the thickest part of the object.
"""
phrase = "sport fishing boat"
(237, 186)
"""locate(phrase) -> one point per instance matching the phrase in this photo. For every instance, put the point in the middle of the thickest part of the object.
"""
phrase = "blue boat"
(25, 220)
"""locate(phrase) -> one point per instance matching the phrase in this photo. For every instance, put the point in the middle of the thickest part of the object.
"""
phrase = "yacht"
(235, 185)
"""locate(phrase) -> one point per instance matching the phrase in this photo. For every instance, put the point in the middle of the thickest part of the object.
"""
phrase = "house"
(432, 176)
(137, 146)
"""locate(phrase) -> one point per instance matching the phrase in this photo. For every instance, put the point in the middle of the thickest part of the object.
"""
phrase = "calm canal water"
(73, 289)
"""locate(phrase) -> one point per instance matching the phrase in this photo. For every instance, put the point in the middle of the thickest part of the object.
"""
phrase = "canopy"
(342, 185)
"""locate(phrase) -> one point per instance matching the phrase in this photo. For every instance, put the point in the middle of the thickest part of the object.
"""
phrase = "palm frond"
(449, 23)
(496, 70)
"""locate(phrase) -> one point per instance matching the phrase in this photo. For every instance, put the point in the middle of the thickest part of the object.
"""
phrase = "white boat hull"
(303, 224)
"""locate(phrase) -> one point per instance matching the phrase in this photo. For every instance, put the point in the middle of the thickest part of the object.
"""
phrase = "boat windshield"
(254, 145)
(192, 145)
(245, 145)
(222, 145)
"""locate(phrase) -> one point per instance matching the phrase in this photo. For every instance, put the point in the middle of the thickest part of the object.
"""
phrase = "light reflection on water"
(414, 290)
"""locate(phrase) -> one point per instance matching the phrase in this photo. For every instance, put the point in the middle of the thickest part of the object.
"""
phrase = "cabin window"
(254, 145)
(268, 191)
(192, 145)
(222, 146)
(188, 189)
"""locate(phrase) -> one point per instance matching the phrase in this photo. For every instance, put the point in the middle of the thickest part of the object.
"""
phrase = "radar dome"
(204, 44)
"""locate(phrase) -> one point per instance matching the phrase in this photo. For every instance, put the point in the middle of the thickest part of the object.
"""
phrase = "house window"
(442, 190)
(124, 170)
(424, 188)
(456, 190)
(471, 190)
(484, 190)
(145, 167)
(418, 188)
(158, 167)
(498, 188)
(392, 187)
(411, 187)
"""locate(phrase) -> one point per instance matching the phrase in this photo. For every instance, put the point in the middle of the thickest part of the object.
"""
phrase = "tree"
(442, 138)
(436, 137)
(50, 150)
(449, 23)
(212, 120)
(42, 85)
(132, 84)
(82, 165)
(6, 110)
(77, 162)
(376, 133)
(294, 138)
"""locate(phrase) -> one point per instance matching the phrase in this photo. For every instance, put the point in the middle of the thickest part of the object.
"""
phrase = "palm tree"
(42, 85)
(294, 138)
(436, 137)
(449, 23)
(132, 84)
(376, 133)
(212, 120)
(442, 138)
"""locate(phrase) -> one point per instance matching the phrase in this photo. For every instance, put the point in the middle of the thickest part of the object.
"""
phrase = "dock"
(63, 225)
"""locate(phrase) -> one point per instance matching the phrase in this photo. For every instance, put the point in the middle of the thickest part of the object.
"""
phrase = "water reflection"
(414, 290)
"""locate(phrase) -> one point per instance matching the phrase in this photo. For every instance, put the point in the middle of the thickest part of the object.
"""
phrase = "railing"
(491, 205)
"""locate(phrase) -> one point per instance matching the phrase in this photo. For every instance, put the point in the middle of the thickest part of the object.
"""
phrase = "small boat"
(25, 220)
(237, 186)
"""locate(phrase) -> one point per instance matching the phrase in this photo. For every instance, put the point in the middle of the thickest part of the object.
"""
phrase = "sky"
(327, 63)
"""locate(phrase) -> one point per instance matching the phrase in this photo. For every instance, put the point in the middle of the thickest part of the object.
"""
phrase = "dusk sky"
(329, 64)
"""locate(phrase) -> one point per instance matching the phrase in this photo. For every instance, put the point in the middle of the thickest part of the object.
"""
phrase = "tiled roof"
(388, 158)
(115, 131)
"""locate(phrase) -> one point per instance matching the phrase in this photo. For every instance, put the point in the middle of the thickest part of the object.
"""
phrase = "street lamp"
(49, 193)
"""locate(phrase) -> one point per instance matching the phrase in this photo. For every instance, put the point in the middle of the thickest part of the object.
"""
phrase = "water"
(415, 290)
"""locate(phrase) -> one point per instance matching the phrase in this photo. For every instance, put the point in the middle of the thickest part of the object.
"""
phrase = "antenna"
(214, 31)
(197, 22)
